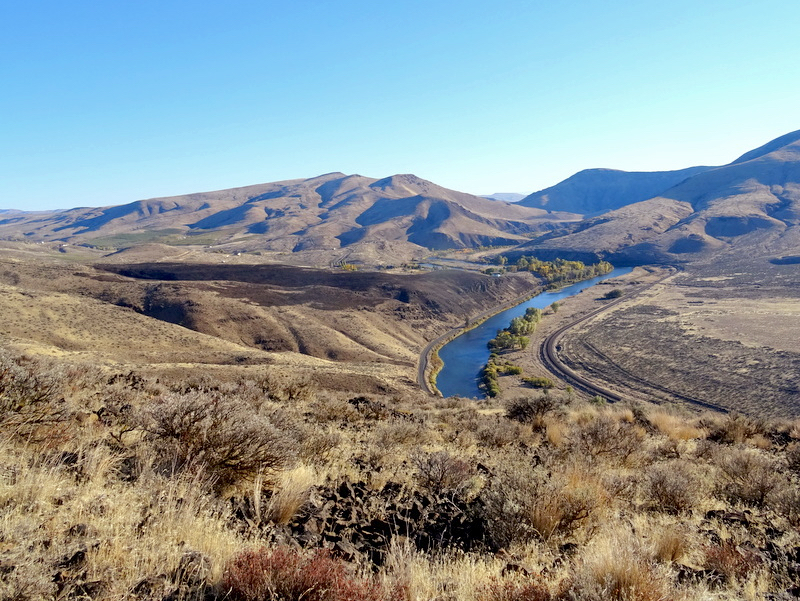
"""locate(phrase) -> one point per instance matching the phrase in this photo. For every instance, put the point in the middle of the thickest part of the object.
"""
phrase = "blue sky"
(109, 102)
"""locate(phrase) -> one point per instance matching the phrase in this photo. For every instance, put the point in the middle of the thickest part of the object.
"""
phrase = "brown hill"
(748, 208)
(358, 331)
(596, 191)
(324, 214)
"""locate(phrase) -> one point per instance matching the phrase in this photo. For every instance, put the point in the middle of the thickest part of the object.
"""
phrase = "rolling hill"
(595, 191)
(748, 208)
(395, 217)
(357, 331)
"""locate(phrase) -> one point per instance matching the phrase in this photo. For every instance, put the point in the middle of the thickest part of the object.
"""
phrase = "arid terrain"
(722, 339)
(326, 220)
(215, 397)
(223, 484)
(358, 331)
(748, 208)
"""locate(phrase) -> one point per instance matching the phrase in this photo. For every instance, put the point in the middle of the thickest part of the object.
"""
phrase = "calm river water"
(465, 356)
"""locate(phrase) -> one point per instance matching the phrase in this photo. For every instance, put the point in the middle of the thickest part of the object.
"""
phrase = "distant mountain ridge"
(748, 208)
(595, 191)
(505, 196)
(394, 215)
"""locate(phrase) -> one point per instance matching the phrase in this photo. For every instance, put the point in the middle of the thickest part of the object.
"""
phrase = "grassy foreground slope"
(120, 485)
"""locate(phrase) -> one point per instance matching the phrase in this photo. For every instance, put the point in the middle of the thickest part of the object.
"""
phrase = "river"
(465, 355)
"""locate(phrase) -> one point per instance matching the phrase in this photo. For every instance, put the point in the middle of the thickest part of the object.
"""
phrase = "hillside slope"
(325, 213)
(358, 331)
(595, 191)
(748, 208)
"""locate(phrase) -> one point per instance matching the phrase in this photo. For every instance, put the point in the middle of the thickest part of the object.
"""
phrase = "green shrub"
(561, 271)
(505, 340)
(488, 379)
(539, 382)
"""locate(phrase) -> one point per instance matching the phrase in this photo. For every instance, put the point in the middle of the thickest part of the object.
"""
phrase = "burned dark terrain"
(439, 291)
(362, 330)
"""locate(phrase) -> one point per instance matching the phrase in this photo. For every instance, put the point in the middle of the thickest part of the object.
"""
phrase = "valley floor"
(695, 335)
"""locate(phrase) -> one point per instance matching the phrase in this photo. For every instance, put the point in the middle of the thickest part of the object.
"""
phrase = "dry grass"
(672, 543)
(290, 494)
(618, 566)
(555, 432)
(566, 502)
(456, 576)
(122, 496)
(675, 427)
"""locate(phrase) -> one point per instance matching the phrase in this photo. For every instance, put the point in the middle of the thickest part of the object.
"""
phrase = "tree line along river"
(465, 355)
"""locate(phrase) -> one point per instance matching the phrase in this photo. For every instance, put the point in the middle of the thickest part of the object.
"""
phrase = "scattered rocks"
(357, 523)
(193, 569)
(74, 560)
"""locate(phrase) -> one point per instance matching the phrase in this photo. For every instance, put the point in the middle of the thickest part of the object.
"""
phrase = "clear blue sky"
(106, 102)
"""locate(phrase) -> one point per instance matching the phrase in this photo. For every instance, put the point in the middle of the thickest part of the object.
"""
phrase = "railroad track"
(548, 354)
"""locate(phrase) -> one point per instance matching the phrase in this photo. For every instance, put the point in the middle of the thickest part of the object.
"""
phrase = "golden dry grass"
(90, 504)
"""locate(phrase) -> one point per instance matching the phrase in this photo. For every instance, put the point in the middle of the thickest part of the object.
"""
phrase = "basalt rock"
(356, 522)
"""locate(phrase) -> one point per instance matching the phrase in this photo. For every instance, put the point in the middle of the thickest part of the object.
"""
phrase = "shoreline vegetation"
(434, 361)
(557, 274)
(515, 336)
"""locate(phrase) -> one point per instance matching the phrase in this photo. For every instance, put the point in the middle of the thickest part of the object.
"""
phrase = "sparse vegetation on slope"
(331, 219)
(137, 487)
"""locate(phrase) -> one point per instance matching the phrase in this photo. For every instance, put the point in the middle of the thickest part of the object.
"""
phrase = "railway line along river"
(465, 355)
